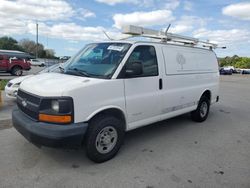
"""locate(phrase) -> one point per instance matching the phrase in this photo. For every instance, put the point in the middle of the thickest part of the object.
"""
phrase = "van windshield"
(98, 60)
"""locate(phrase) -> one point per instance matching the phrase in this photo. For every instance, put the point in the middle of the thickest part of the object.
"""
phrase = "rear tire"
(17, 71)
(202, 111)
(104, 138)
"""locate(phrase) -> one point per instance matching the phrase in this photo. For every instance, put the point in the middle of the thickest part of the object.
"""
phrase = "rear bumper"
(46, 134)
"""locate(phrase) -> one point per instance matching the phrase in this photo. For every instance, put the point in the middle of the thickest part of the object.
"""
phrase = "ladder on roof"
(135, 31)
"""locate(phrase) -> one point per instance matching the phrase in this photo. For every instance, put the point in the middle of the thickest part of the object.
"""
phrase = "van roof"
(154, 42)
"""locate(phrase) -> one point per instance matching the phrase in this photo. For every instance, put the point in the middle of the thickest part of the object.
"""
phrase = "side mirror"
(134, 69)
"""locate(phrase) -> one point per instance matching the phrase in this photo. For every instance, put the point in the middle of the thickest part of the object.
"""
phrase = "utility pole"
(36, 40)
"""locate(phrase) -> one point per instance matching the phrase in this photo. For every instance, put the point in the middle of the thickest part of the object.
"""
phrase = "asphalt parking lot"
(172, 153)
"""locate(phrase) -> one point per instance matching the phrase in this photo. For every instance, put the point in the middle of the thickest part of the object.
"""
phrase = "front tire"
(17, 71)
(104, 138)
(202, 111)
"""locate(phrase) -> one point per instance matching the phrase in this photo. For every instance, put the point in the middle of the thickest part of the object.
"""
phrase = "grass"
(3, 84)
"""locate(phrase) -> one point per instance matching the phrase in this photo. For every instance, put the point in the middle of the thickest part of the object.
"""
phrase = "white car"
(37, 62)
(12, 86)
(112, 87)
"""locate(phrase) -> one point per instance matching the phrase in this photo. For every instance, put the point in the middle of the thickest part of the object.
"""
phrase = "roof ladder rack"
(135, 31)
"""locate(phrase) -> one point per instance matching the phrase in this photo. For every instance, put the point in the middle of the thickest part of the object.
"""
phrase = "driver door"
(142, 92)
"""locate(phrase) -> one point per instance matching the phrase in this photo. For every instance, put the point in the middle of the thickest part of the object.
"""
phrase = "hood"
(20, 79)
(55, 84)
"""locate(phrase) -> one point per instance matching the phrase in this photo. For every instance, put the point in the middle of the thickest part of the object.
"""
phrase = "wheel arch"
(12, 67)
(207, 93)
(109, 110)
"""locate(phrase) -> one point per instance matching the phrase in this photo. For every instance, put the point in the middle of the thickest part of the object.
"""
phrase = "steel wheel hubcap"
(203, 109)
(18, 72)
(106, 139)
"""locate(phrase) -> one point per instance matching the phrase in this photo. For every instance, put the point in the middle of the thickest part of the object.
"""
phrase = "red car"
(14, 62)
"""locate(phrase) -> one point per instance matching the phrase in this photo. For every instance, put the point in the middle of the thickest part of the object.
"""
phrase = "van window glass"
(147, 56)
(1, 57)
(98, 60)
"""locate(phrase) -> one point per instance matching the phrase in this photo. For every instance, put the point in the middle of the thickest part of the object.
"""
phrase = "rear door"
(142, 93)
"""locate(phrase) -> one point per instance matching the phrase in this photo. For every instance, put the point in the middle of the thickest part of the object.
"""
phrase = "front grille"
(28, 104)
(32, 98)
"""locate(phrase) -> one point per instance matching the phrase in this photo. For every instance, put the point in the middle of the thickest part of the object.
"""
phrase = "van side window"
(1, 57)
(147, 56)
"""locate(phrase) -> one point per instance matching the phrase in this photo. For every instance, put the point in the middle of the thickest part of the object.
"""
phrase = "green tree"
(8, 43)
(236, 61)
(30, 47)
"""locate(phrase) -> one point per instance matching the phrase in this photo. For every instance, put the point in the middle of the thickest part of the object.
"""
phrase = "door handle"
(160, 83)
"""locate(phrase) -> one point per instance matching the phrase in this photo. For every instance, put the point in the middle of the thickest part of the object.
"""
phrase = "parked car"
(13, 65)
(112, 87)
(37, 62)
(230, 68)
(13, 85)
(224, 71)
(245, 71)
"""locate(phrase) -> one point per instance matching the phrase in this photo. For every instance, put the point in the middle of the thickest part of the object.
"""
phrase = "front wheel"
(17, 71)
(202, 111)
(104, 138)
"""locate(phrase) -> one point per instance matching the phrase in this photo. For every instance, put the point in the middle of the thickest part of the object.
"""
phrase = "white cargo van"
(112, 87)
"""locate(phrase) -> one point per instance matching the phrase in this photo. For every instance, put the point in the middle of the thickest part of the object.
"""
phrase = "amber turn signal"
(55, 118)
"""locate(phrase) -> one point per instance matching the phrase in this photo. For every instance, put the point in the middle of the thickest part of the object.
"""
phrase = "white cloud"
(9, 26)
(172, 4)
(18, 17)
(187, 23)
(69, 31)
(158, 17)
(168, 4)
(239, 10)
(181, 28)
(73, 32)
(114, 2)
(223, 37)
(188, 6)
(36, 10)
(82, 14)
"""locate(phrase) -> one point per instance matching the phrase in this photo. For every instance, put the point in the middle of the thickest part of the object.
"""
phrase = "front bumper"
(46, 134)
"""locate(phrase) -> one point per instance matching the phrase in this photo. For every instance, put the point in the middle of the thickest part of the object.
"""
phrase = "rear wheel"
(17, 71)
(104, 138)
(202, 111)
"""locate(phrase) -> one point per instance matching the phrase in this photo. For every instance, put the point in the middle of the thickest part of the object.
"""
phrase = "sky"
(67, 25)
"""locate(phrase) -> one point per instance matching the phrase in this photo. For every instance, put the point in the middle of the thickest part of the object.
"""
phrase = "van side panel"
(188, 73)
(184, 60)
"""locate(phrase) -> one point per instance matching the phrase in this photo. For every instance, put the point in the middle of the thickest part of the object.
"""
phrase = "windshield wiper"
(80, 72)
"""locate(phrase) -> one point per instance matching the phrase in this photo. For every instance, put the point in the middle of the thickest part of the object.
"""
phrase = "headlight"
(56, 110)
(9, 84)
(16, 85)
(55, 105)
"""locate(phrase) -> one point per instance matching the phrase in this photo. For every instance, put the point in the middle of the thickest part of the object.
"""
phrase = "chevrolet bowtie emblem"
(24, 103)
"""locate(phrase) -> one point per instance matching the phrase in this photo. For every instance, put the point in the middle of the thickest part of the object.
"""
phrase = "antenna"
(166, 32)
(107, 35)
